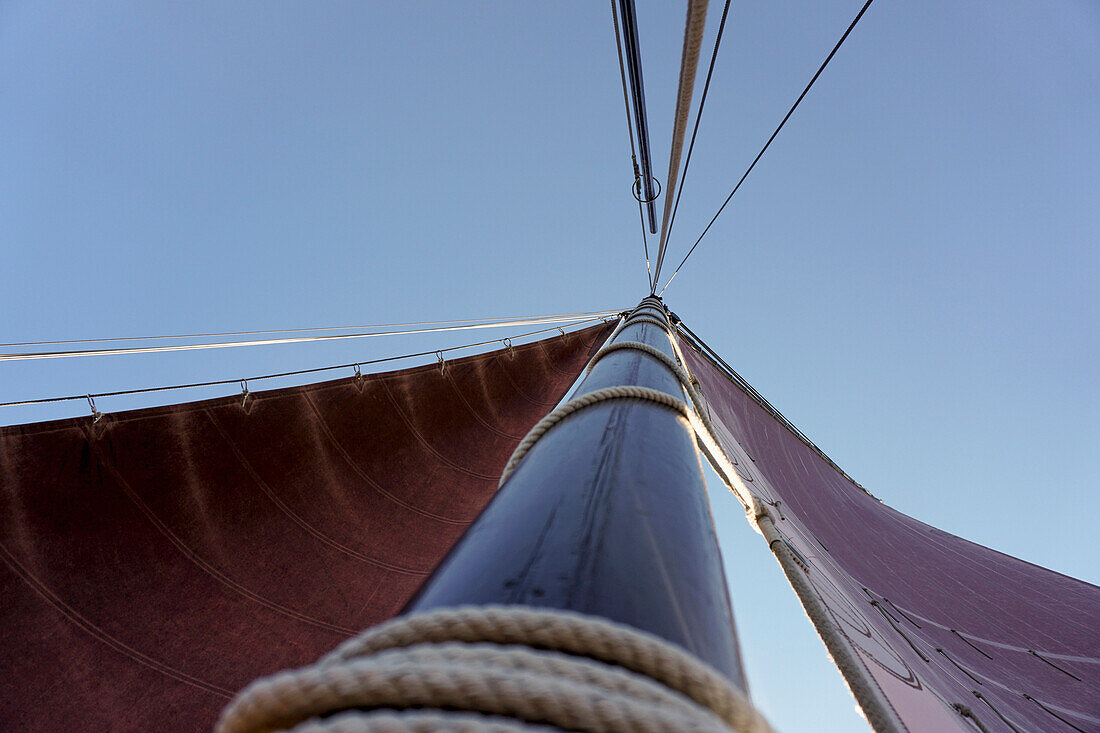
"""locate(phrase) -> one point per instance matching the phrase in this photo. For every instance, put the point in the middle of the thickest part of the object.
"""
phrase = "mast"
(607, 515)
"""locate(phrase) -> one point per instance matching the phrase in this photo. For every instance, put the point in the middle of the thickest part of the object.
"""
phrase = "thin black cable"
(218, 382)
(630, 131)
(770, 139)
(698, 117)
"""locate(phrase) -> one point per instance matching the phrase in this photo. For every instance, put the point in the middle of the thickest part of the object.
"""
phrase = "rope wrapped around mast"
(497, 668)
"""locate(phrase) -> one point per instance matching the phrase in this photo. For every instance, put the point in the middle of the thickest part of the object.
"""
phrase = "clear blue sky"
(910, 273)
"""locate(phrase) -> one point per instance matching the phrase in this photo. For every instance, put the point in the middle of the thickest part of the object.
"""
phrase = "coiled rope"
(497, 668)
(644, 319)
(622, 392)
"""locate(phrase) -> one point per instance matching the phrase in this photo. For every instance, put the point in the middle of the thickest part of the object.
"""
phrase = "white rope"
(876, 708)
(314, 370)
(570, 319)
(546, 318)
(689, 61)
(646, 319)
(417, 721)
(538, 666)
(673, 365)
(697, 417)
(634, 346)
(698, 421)
(658, 311)
(621, 392)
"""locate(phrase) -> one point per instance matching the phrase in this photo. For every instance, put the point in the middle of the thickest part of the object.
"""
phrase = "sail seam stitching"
(359, 471)
(196, 559)
(289, 512)
(424, 441)
(101, 635)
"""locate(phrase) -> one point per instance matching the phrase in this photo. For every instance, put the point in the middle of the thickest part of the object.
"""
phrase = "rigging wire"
(770, 139)
(297, 339)
(296, 372)
(698, 117)
(630, 131)
(694, 24)
(301, 330)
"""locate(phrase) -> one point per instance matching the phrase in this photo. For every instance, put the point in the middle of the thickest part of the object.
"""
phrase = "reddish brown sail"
(947, 632)
(155, 562)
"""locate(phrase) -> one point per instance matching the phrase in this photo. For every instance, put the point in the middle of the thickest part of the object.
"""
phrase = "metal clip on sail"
(96, 414)
(246, 397)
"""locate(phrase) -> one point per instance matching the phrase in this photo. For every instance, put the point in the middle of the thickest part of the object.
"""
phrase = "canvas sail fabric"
(154, 563)
(934, 618)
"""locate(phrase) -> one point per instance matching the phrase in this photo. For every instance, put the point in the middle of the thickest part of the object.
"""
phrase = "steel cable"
(293, 340)
(764, 149)
(219, 382)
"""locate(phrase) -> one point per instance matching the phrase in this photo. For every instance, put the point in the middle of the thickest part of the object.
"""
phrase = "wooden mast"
(606, 515)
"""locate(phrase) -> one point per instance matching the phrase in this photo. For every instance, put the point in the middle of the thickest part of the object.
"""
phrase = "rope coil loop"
(653, 351)
(646, 319)
(650, 309)
(497, 668)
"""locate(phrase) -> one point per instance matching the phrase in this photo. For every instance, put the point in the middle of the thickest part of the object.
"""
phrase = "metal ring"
(636, 190)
